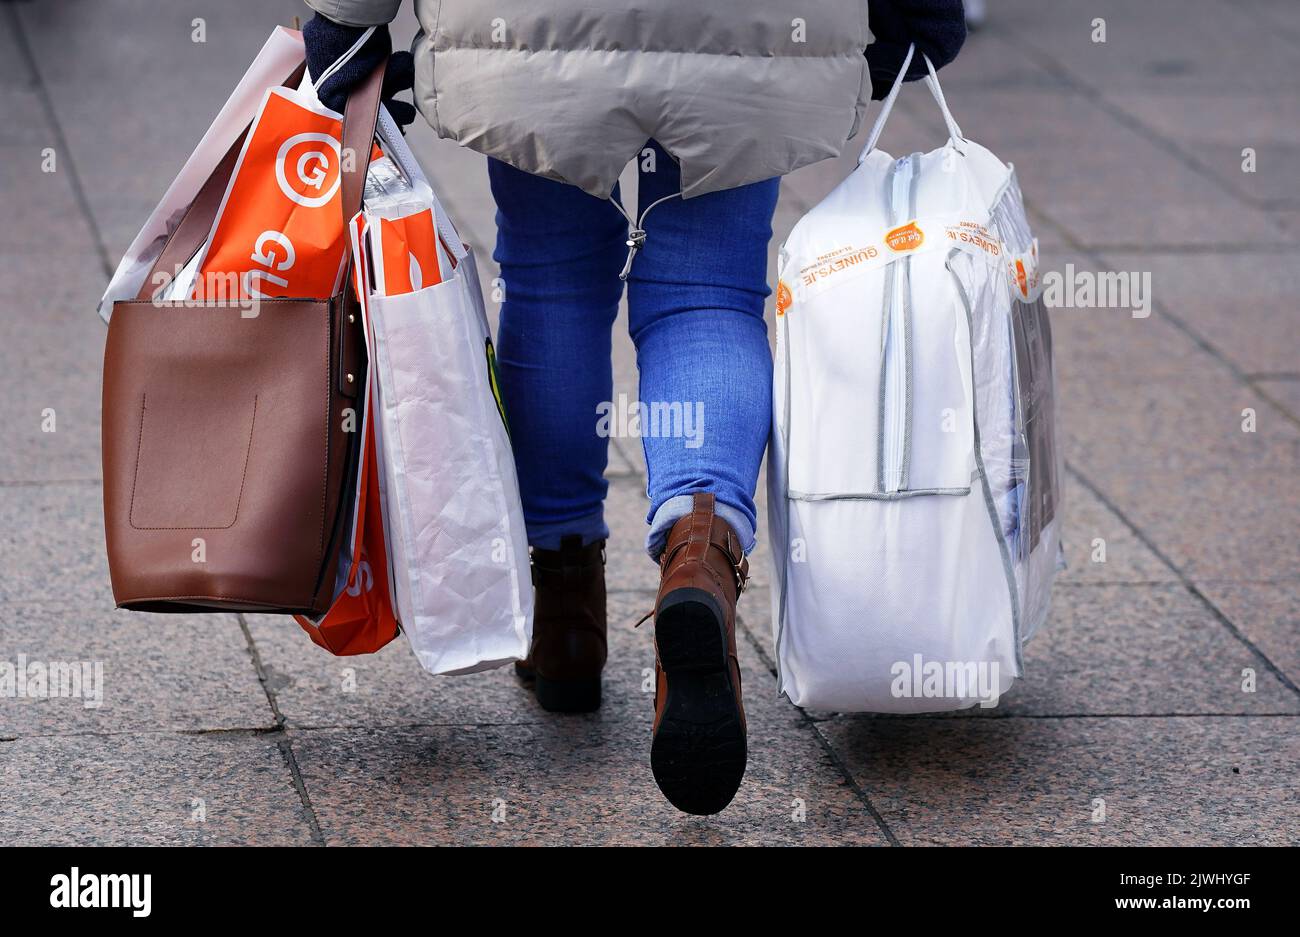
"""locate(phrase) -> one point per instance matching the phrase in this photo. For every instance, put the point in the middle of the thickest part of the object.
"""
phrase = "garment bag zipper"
(896, 364)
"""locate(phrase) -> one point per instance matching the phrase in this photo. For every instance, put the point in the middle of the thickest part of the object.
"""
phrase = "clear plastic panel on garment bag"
(1011, 343)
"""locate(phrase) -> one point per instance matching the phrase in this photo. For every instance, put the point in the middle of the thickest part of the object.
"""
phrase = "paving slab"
(1289, 220)
(1100, 547)
(1279, 16)
(149, 790)
(1193, 423)
(1130, 59)
(620, 464)
(984, 63)
(314, 689)
(1139, 650)
(563, 782)
(134, 92)
(14, 72)
(1268, 614)
(629, 566)
(1286, 391)
(51, 353)
(154, 672)
(52, 545)
(1215, 129)
(1244, 305)
(35, 176)
(1217, 524)
(1164, 781)
(1100, 344)
(754, 613)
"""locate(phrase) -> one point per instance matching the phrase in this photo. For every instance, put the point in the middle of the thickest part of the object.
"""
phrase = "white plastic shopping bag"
(914, 478)
(458, 551)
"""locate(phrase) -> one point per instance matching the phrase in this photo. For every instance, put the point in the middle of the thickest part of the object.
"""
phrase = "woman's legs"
(695, 301)
(560, 251)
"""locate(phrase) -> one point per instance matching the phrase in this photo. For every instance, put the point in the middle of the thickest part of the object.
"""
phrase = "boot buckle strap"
(739, 562)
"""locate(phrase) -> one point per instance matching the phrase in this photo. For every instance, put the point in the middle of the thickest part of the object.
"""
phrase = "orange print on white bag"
(408, 254)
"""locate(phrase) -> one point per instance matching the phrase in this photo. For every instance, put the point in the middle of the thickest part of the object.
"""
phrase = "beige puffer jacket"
(736, 90)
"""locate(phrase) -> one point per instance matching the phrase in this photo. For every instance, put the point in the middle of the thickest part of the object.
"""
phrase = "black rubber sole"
(561, 696)
(568, 696)
(699, 752)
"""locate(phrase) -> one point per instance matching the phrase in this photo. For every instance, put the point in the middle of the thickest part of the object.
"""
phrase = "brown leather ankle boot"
(568, 649)
(698, 754)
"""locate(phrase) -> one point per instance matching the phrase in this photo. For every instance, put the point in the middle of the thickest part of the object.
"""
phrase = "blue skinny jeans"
(695, 315)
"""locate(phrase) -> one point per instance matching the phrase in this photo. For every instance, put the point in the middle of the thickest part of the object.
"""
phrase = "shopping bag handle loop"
(344, 58)
(954, 131)
(932, 82)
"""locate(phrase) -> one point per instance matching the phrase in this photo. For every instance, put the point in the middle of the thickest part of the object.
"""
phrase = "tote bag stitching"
(243, 478)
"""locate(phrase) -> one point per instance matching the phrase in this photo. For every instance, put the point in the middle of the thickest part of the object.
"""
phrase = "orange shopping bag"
(361, 619)
(279, 230)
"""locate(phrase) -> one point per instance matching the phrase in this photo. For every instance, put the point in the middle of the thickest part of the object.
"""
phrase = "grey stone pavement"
(229, 729)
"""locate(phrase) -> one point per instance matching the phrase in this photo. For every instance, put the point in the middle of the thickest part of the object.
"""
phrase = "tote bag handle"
(932, 81)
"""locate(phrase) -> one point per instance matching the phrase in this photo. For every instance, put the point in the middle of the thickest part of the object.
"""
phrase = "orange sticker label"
(784, 299)
(906, 237)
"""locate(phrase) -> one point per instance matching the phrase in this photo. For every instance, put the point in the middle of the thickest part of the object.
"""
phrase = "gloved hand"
(327, 40)
(938, 27)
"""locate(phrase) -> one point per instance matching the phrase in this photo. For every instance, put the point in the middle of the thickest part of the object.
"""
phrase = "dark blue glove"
(327, 40)
(938, 27)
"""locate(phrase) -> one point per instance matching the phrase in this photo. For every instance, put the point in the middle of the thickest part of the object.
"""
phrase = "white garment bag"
(914, 479)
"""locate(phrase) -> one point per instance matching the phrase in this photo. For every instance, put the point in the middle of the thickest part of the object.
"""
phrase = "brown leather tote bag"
(229, 442)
